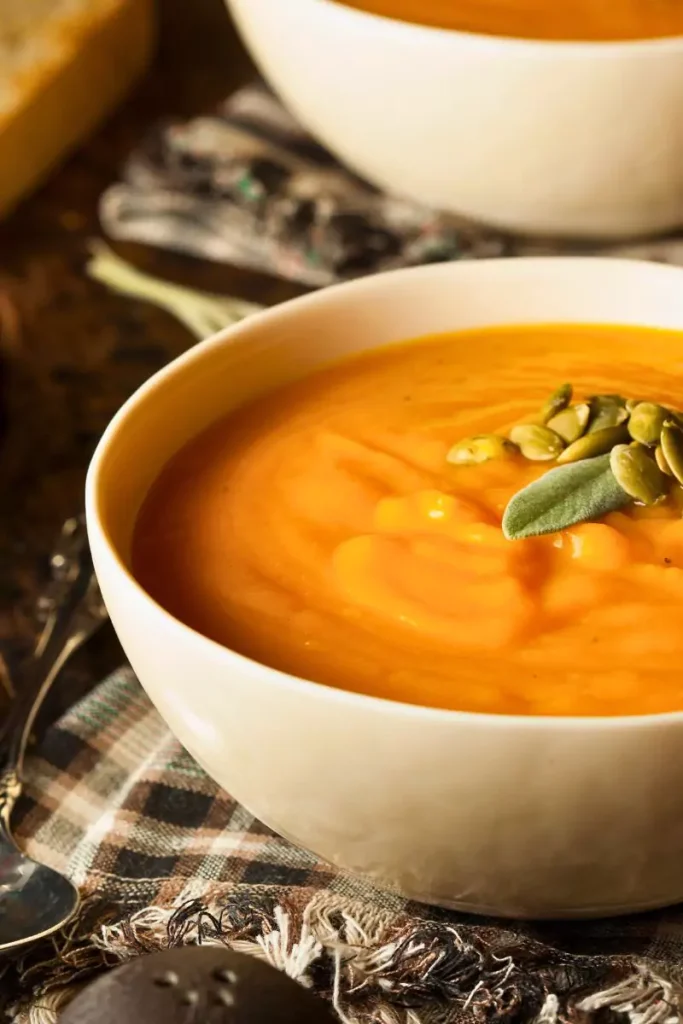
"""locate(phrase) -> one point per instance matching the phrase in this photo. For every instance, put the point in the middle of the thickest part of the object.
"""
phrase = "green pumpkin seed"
(607, 411)
(672, 448)
(481, 448)
(675, 414)
(638, 474)
(631, 403)
(558, 401)
(660, 459)
(571, 422)
(536, 443)
(646, 422)
(590, 445)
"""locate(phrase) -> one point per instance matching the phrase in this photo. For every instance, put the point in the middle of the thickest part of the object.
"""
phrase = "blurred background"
(71, 351)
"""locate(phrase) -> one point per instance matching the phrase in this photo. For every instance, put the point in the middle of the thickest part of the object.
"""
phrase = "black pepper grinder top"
(193, 985)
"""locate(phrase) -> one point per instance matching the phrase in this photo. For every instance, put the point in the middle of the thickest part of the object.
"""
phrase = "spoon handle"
(71, 609)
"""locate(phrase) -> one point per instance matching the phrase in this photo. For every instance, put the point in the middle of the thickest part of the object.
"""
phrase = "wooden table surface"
(70, 351)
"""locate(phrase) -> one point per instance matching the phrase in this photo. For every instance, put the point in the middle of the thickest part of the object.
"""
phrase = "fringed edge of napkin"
(370, 963)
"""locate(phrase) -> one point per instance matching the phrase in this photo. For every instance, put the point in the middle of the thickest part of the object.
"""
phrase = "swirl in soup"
(322, 531)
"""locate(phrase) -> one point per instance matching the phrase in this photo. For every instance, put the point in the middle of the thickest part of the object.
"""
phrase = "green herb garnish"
(609, 451)
(563, 497)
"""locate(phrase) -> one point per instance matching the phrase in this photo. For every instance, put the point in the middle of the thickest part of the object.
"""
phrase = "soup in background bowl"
(514, 814)
(544, 137)
(585, 20)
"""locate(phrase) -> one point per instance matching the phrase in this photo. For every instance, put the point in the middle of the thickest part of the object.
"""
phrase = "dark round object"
(193, 985)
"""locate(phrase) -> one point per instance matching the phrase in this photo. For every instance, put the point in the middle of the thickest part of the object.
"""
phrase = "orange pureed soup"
(321, 531)
(588, 20)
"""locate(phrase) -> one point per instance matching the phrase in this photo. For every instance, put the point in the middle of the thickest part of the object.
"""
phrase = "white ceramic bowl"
(507, 815)
(573, 139)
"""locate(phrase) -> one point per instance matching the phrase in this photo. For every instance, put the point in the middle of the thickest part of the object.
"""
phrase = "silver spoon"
(36, 901)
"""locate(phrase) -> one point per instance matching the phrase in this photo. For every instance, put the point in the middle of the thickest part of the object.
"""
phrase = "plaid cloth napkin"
(163, 857)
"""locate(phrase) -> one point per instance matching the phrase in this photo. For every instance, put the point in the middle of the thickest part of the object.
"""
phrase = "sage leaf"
(202, 312)
(567, 495)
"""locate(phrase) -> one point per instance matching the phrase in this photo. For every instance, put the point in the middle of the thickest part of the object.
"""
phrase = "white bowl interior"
(281, 345)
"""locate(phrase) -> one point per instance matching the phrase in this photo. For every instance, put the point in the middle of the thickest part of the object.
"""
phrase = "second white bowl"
(571, 139)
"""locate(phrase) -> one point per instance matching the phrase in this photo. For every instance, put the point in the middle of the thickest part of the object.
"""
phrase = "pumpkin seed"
(660, 459)
(481, 448)
(631, 403)
(638, 474)
(598, 443)
(646, 422)
(607, 411)
(536, 443)
(571, 422)
(672, 448)
(558, 401)
(675, 414)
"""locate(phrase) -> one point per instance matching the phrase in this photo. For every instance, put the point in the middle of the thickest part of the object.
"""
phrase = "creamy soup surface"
(588, 20)
(321, 531)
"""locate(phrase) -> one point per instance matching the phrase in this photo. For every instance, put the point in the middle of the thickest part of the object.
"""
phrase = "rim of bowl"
(612, 46)
(95, 521)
